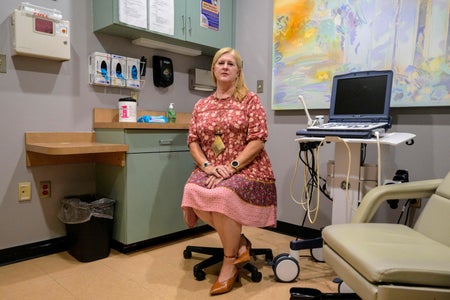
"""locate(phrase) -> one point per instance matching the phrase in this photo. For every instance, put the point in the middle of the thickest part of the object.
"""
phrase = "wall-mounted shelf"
(50, 148)
(141, 86)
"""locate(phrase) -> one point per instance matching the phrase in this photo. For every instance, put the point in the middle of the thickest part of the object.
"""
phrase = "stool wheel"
(187, 254)
(256, 277)
(199, 275)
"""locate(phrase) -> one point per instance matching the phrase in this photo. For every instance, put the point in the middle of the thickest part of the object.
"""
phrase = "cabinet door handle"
(166, 142)
(184, 25)
(190, 25)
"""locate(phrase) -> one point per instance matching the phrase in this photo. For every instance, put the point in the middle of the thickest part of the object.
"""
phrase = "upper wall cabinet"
(187, 28)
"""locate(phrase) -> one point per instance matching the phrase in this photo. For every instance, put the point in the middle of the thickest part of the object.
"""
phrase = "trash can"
(89, 224)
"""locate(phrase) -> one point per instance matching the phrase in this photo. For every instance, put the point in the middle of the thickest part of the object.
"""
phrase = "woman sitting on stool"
(233, 183)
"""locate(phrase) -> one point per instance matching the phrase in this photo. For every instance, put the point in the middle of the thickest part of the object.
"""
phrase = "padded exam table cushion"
(391, 253)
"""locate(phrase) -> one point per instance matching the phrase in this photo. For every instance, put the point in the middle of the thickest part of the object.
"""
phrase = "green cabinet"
(223, 37)
(149, 189)
(188, 31)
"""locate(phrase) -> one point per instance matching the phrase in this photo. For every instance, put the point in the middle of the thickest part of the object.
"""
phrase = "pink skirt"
(225, 200)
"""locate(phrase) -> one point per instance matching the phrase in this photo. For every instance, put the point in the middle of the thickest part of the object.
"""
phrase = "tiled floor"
(154, 273)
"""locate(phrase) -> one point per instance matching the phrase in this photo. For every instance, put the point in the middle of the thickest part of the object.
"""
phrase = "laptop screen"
(361, 96)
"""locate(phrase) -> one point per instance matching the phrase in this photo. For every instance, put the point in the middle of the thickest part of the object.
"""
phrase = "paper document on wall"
(133, 12)
(162, 16)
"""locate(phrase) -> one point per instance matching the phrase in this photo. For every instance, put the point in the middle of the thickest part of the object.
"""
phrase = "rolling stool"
(217, 256)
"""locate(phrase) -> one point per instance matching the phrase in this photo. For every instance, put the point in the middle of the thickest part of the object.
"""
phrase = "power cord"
(314, 177)
(313, 171)
(337, 139)
(311, 180)
(405, 207)
(363, 154)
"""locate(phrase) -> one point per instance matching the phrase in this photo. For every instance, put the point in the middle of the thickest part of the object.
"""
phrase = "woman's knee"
(205, 216)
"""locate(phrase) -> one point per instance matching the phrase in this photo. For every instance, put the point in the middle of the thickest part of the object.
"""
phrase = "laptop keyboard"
(363, 134)
(348, 126)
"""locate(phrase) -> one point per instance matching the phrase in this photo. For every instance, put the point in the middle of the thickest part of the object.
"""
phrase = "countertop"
(109, 118)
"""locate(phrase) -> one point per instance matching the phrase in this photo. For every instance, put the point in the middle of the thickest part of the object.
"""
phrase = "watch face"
(234, 164)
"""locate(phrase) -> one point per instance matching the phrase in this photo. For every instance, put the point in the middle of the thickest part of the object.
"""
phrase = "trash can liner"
(75, 211)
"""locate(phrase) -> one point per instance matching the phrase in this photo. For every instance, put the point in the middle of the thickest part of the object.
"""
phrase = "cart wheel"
(274, 261)
(317, 255)
(286, 268)
(343, 288)
(187, 254)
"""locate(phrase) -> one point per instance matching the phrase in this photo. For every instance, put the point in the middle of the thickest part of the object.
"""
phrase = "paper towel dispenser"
(201, 80)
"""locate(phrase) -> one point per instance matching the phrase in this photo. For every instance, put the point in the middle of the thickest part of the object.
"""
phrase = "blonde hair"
(241, 89)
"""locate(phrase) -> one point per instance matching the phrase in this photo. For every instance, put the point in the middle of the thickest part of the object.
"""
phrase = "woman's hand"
(224, 171)
(217, 174)
(212, 181)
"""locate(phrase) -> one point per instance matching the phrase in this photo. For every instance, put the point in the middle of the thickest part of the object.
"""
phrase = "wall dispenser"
(201, 80)
(99, 68)
(115, 70)
(133, 73)
(40, 32)
(162, 71)
(118, 70)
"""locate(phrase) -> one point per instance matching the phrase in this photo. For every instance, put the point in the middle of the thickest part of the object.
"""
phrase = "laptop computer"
(360, 103)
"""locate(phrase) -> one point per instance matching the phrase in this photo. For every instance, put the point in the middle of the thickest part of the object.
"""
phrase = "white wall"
(40, 95)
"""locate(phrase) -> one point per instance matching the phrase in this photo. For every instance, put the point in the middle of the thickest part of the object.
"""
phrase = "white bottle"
(127, 109)
(171, 113)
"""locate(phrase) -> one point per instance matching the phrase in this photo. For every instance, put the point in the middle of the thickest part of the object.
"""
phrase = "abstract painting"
(313, 40)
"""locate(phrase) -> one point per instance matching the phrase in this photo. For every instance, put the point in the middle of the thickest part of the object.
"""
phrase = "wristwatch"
(235, 164)
(205, 164)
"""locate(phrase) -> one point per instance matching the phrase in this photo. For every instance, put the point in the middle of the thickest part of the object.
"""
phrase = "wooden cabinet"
(149, 189)
(187, 29)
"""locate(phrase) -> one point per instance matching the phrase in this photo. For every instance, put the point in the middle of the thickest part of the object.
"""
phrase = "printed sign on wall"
(210, 14)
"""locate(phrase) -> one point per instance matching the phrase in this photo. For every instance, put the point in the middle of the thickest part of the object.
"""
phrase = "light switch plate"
(260, 86)
(2, 63)
(24, 191)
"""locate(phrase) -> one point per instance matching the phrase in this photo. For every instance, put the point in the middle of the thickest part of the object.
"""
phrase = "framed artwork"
(313, 40)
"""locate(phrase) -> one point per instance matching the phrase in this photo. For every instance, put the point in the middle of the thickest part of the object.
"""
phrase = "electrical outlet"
(134, 95)
(24, 191)
(45, 190)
